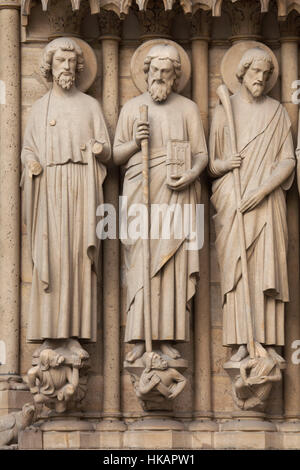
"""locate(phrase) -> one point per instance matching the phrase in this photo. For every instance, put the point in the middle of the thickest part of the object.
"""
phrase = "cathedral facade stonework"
(118, 331)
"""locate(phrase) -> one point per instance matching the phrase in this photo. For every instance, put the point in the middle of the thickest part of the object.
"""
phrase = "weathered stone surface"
(61, 440)
(31, 439)
(243, 440)
(284, 398)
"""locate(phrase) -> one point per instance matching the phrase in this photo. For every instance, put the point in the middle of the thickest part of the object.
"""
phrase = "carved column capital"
(155, 21)
(10, 4)
(63, 20)
(109, 25)
(290, 28)
(245, 17)
(201, 23)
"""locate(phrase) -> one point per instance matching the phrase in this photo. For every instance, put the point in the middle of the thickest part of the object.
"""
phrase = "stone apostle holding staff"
(266, 162)
(172, 120)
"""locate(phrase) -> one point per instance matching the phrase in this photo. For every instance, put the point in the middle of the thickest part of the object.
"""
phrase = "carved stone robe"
(174, 269)
(60, 214)
(263, 140)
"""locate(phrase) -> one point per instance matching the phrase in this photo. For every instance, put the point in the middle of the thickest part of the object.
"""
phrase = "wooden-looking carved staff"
(146, 240)
(223, 94)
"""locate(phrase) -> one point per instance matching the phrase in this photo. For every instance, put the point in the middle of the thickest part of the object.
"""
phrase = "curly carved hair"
(169, 52)
(65, 44)
(249, 57)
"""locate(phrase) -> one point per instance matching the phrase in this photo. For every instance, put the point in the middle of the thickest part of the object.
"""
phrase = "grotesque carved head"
(49, 358)
(61, 60)
(154, 361)
(162, 67)
(254, 70)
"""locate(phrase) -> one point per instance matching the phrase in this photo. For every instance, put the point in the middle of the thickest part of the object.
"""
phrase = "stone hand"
(232, 163)
(142, 132)
(185, 180)
(252, 199)
(96, 148)
(155, 380)
(34, 168)
(76, 361)
(257, 380)
(173, 395)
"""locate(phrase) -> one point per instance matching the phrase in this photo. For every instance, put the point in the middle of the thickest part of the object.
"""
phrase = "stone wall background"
(33, 87)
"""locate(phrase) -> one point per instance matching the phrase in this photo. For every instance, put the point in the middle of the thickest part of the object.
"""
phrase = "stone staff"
(146, 245)
(223, 94)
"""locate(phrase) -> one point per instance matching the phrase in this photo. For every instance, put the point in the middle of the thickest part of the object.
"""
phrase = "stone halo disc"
(137, 64)
(86, 78)
(231, 61)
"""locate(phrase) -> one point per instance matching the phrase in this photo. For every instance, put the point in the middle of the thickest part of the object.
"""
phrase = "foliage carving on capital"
(155, 20)
(245, 17)
(291, 26)
(201, 24)
(109, 24)
(63, 20)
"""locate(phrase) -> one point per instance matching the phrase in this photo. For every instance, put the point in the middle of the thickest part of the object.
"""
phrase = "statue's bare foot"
(77, 349)
(137, 352)
(241, 353)
(168, 350)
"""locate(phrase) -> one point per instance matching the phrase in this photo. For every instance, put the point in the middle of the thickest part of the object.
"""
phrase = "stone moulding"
(121, 7)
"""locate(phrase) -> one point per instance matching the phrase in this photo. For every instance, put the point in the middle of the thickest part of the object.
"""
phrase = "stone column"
(12, 392)
(9, 187)
(289, 72)
(200, 32)
(110, 30)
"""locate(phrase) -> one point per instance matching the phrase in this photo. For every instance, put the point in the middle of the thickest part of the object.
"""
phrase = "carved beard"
(256, 89)
(64, 81)
(160, 89)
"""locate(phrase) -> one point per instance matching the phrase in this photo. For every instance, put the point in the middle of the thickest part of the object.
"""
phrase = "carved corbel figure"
(52, 381)
(159, 381)
(13, 423)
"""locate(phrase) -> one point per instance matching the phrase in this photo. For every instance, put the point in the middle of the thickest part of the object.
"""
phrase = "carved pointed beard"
(65, 81)
(160, 89)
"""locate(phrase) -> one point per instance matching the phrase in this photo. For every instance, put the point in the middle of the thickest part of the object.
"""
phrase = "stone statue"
(158, 379)
(65, 144)
(174, 122)
(13, 423)
(252, 387)
(265, 158)
(52, 381)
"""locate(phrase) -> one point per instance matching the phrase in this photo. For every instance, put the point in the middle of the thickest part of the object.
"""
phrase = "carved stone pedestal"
(202, 433)
(13, 400)
(14, 393)
(157, 398)
(253, 395)
(247, 430)
(156, 432)
(242, 432)
(288, 436)
(56, 433)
